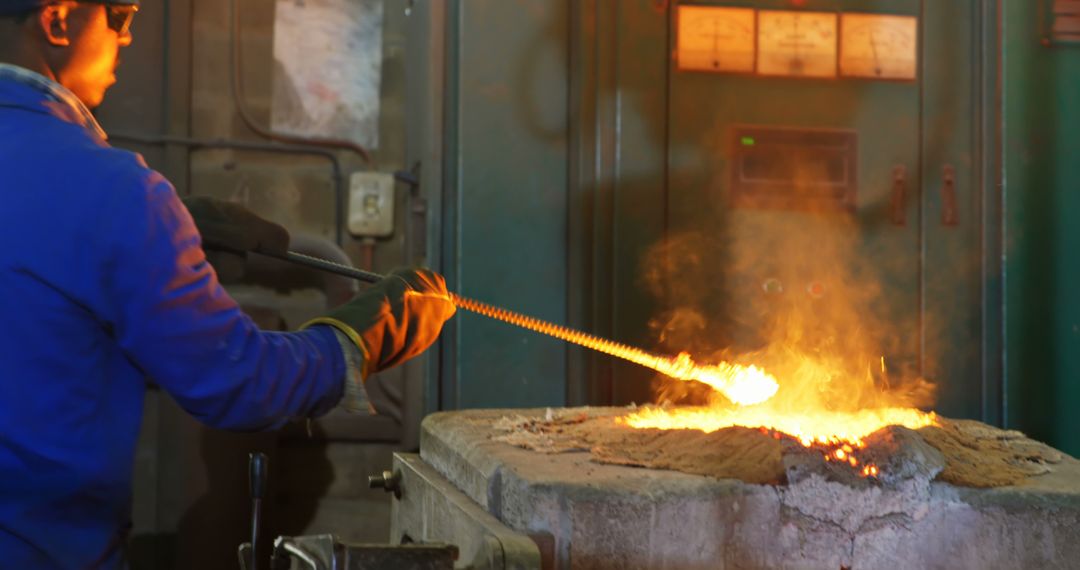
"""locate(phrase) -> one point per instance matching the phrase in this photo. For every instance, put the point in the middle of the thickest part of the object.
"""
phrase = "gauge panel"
(796, 44)
(712, 38)
(879, 46)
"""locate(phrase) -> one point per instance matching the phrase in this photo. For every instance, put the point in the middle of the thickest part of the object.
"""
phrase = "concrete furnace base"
(607, 516)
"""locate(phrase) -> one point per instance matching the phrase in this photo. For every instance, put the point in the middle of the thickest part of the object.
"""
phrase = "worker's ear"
(53, 20)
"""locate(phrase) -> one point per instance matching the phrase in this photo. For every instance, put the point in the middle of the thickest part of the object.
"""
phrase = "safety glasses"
(119, 16)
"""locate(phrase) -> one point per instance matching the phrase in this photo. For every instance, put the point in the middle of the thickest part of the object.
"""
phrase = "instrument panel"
(716, 39)
(796, 43)
(878, 46)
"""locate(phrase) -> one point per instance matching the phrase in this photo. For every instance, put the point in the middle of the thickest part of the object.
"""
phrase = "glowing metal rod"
(744, 385)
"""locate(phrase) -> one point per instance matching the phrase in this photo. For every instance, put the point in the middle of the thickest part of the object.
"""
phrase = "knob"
(387, 481)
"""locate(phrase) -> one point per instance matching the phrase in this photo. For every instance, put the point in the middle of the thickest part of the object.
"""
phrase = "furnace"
(557, 505)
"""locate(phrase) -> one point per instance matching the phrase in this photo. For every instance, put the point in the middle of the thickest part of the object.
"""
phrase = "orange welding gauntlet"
(395, 319)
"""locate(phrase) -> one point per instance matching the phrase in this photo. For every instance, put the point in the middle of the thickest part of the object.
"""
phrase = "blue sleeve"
(175, 321)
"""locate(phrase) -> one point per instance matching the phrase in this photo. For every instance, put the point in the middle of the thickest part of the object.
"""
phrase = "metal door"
(841, 212)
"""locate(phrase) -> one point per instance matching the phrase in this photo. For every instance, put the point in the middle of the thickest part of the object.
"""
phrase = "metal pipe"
(283, 545)
(257, 485)
(241, 107)
(301, 555)
(237, 90)
(197, 143)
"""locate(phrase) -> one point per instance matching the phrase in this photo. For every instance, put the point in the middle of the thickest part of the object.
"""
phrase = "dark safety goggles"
(119, 16)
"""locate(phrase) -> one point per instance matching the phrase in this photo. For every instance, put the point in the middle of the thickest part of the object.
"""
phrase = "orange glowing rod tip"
(743, 385)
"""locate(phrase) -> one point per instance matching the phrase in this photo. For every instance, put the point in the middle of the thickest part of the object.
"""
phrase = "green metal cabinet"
(504, 202)
(1041, 178)
(678, 141)
(573, 144)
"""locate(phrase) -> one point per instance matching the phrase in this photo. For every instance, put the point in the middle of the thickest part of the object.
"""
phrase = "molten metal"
(743, 385)
(842, 429)
(837, 435)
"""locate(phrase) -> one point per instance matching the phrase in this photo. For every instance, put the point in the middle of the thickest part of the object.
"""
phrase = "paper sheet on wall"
(328, 68)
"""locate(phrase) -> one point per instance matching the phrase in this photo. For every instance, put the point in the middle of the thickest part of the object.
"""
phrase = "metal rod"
(580, 338)
(325, 265)
(257, 485)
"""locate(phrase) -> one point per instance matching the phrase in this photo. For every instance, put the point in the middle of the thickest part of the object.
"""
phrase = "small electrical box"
(371, 204)
(777, 168)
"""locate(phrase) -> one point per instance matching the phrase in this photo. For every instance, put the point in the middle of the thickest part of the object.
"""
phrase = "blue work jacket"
(103, 284)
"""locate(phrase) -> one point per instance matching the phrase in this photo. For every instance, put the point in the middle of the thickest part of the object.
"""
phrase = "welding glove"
(394, 319)
(229, 231)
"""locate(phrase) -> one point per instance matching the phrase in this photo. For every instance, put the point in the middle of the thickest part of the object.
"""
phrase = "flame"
(743, 385)
(839, 436)
(815, 300)
(805, 410)
(824, 341)
(845, 430)
(816, 318)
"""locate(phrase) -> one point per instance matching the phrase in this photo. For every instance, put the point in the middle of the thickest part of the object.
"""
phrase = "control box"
(371, 204)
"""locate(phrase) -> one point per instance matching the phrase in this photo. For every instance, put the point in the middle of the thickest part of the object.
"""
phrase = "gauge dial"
(878, 46)
(796, 44)
(716, 39)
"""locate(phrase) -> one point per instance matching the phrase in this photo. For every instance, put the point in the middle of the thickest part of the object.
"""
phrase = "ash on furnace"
(960, 452)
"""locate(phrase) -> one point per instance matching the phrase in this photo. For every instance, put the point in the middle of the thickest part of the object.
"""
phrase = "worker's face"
(84, 49)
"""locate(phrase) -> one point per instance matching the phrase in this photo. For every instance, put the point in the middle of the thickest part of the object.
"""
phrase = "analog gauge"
(796, 44)
(884, 47)
(716, 39)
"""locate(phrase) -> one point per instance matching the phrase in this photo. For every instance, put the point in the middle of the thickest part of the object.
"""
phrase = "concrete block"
(607, 516)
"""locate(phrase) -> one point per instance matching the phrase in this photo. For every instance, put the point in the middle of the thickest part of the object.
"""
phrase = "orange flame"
(803, 411)
(805, 299)
(743, 385)
(838, 435)
(843, 429)
(799, 411)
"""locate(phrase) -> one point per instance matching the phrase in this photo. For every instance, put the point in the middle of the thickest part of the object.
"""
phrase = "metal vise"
(326, 552)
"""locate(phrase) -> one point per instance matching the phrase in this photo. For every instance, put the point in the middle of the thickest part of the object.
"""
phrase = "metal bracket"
(433, 510)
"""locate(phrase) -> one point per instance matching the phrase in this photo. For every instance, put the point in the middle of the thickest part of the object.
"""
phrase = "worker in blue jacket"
(105, 283)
